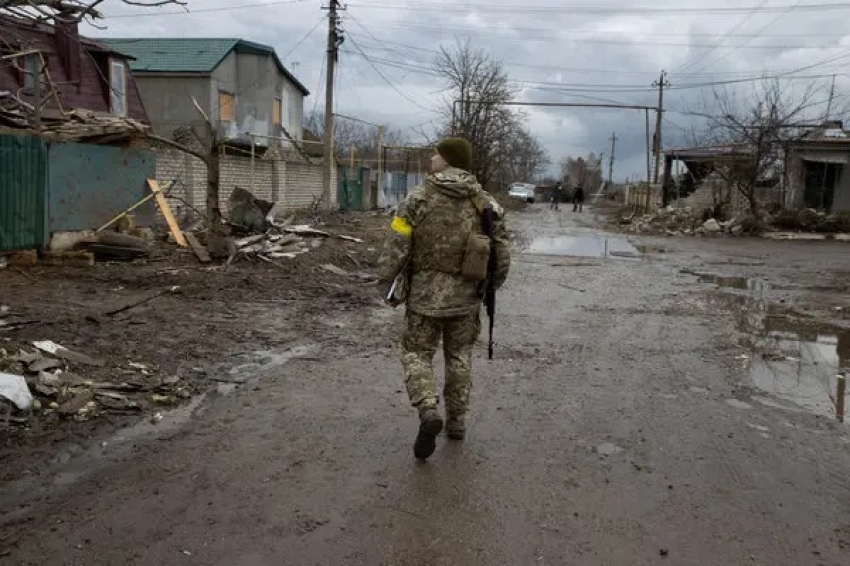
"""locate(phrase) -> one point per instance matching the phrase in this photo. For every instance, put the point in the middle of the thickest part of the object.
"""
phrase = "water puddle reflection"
(735, 282)
(797, 363)
(583, 246)
(802, 367)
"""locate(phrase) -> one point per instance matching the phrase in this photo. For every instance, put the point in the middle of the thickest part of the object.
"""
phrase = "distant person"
(557, 196)
(578, 198)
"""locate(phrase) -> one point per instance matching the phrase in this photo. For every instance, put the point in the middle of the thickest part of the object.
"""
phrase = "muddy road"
(659, 401)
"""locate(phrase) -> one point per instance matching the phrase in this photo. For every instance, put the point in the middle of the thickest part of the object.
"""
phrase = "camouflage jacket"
(428, 240)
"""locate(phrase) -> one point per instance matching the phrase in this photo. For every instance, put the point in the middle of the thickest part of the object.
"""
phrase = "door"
(351, 189)
(821, 181)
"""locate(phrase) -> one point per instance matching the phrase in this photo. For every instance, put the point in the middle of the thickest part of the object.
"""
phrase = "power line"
(386, 80)
(618, 72)
(303, 39)
(585, 9)
(489, 33)
(733, 29)
(188, 12)
(615, 88)
(757, 34)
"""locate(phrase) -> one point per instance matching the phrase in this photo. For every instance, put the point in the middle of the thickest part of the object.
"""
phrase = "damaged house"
(72, 129)
(806, 172)
(815, 170)
(242, 86)
(53, 80)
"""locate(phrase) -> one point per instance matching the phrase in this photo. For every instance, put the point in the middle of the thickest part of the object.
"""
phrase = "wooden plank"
(167, 214)
(199, 250)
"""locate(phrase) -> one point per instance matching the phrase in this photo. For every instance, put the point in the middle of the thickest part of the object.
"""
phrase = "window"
(277, 112)
(226, 107)
(118, 88)
(32, 69)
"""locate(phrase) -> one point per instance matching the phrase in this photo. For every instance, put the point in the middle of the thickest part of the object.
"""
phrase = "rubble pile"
(50, 380)
(678, 221)
(270, 239)
(72, 126)
(810, 220)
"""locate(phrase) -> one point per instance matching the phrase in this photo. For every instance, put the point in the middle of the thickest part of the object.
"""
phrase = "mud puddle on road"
(802, 366)
(582, 246)
(796, 363)
(735, 282)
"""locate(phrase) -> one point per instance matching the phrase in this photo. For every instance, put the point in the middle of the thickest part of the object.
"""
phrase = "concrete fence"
(295, 184)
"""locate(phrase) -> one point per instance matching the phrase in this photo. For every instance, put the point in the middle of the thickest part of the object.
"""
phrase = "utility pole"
(611, 160)
(660, 83)
(335, 39)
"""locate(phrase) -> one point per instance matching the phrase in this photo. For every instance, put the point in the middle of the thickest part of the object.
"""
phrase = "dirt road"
(627, 420)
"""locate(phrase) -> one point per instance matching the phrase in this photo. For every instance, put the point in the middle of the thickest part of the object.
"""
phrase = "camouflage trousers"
(419, 344)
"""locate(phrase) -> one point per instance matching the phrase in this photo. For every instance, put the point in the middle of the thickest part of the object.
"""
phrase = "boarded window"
(118, 88)
(277, 112)
(226, 107)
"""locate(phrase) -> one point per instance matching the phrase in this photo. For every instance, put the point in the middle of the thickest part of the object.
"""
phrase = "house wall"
(295, 184)
(256, 82)
(168, 100)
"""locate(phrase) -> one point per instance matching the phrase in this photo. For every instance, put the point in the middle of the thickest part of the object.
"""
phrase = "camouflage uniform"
(428, 241)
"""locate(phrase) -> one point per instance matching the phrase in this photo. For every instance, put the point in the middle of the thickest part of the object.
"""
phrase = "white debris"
(14, 388)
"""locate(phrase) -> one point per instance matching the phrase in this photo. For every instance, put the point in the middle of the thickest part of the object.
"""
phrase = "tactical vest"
(440, 238)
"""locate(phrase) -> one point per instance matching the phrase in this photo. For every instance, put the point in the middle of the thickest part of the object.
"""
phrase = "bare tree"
(761, 126)
(477, 88)
(525, 158)
(200, 139)
(67, 11)
(348, 134)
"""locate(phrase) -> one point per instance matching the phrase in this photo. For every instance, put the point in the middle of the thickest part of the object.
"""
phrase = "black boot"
(455, 427)
(430, 426)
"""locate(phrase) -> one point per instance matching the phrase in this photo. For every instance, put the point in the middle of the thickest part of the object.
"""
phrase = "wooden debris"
(55, 349)
(167, 213)
(25, 258)
(198, 248)
(70, 258)
(139, 299)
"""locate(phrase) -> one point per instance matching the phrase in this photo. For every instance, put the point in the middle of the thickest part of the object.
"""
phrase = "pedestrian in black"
(557, 196)
(578, 199)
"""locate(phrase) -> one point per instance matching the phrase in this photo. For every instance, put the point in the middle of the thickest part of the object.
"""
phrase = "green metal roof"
(188, 55)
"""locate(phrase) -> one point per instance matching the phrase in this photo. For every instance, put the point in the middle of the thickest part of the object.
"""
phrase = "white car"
(524, 191)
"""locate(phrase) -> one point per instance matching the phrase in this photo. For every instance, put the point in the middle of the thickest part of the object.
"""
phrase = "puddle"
(796, 362)
(582, 246)
(801, 368)
(734, 282)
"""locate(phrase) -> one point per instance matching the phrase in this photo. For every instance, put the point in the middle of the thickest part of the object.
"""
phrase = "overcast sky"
(557, 51)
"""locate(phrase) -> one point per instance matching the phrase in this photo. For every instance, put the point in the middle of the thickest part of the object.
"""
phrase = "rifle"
(489, 287)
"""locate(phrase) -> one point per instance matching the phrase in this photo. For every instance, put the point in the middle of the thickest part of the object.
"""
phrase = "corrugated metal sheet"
(23, 186)
(91, 184)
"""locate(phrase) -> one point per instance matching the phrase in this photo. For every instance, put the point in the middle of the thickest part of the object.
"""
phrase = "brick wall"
(293, 183)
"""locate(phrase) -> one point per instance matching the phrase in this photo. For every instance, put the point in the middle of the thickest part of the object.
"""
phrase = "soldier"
(437, 251)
